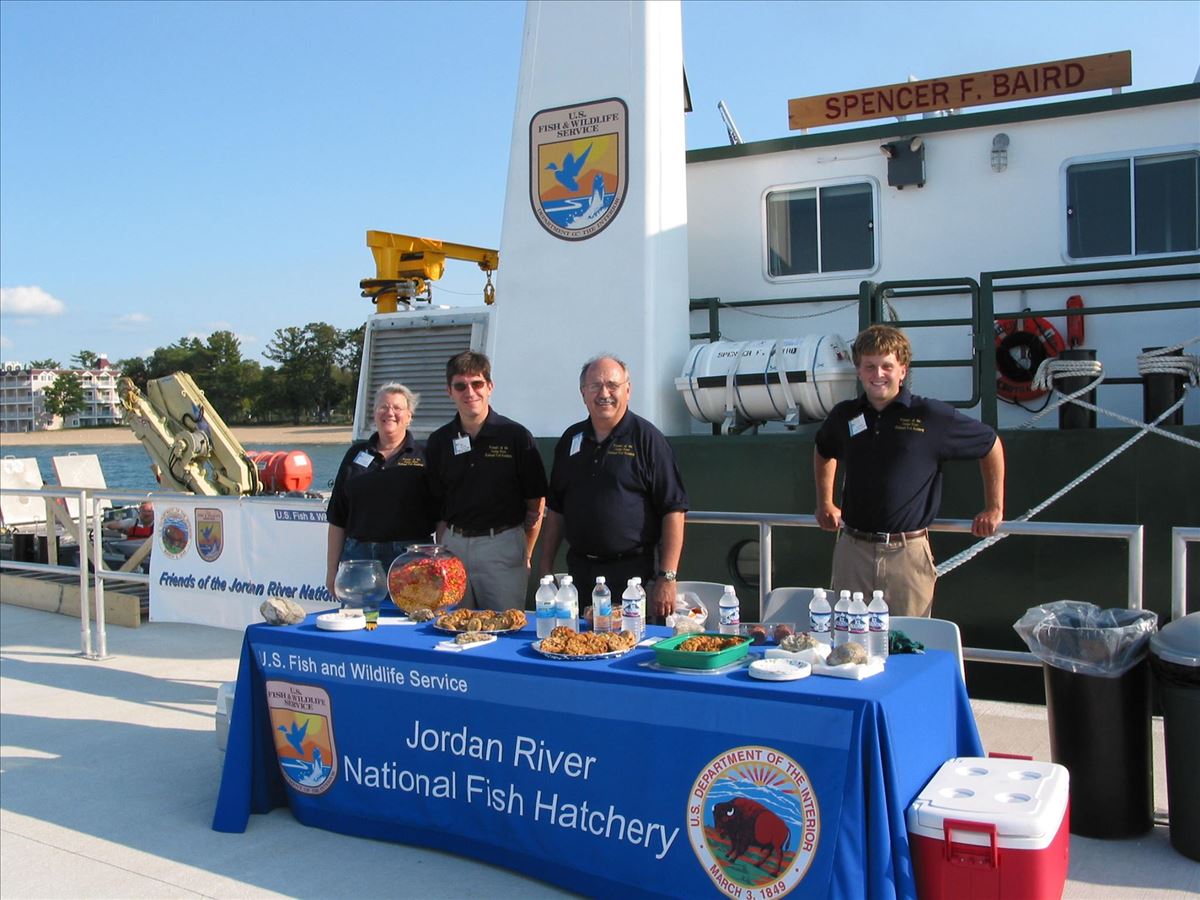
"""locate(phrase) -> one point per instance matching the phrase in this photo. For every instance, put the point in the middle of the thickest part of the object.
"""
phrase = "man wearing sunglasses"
(488, 481)
(616, 494)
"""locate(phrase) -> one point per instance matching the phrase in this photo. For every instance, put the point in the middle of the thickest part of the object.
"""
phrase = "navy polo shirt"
(892, 460)
(614, 493)
(487, 485)
(382, 500)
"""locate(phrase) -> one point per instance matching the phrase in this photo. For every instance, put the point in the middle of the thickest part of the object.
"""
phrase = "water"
(544, 604)
(878, 624)
(820, 617)
(126, 467)
(857, 620)
(566, 605)
(631, 610)
(601, 606)
(727, 609)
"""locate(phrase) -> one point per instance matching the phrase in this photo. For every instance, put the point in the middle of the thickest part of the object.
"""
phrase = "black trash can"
(1100, 730)
(1098, 709)
(1175, 661)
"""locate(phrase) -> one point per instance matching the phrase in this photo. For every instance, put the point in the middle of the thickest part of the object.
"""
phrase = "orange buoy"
(281, 471)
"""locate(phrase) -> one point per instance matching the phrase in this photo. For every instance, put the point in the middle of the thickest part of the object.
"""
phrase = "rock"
(281, 611)
(848, 654)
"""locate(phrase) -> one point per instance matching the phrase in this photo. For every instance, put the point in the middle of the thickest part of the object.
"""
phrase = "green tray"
(666, 654)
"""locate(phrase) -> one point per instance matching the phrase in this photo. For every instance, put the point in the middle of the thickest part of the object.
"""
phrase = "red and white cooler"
(991, 829)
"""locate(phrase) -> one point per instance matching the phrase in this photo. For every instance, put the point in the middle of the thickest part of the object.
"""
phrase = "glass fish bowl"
(428, 576)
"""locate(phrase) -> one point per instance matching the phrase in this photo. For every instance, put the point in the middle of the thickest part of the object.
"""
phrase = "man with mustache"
(615, 494)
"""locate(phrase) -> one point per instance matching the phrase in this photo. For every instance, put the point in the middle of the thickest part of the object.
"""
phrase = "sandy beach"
(278, 434)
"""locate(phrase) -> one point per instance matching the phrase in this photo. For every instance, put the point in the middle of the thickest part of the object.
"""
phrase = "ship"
(1057, 229)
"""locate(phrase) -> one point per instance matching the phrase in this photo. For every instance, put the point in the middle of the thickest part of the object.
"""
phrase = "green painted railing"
(875, 299)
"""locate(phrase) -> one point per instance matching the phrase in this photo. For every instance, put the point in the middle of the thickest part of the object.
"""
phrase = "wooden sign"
(1066, 76)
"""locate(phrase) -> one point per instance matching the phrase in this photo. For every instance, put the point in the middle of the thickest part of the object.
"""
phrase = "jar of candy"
(427, 576)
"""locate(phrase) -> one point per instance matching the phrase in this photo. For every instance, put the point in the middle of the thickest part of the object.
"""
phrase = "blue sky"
(170, 169)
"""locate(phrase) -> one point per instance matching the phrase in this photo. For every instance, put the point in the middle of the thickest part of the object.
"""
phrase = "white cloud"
(5, 342)
(29, 301)
(131, 321)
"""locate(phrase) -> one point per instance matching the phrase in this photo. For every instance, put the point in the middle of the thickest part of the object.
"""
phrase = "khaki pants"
(902, 569)
(496, 573)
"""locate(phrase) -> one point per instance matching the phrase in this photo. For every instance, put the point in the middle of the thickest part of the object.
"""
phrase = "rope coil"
(1154, 362)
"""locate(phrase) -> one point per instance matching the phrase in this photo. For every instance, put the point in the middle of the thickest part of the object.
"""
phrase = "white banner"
(216, 559)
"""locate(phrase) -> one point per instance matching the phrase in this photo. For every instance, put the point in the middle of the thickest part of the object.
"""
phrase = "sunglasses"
(477, 385)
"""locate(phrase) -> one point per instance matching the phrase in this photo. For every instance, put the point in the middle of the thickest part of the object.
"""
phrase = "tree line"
(315, 379)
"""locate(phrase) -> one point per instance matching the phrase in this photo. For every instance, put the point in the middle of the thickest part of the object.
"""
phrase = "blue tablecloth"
(602, 776)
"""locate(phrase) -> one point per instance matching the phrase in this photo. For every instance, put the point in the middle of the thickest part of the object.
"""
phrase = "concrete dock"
(109, 772)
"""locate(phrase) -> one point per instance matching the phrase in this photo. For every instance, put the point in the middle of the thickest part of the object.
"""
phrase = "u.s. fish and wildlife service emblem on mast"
(579, 167)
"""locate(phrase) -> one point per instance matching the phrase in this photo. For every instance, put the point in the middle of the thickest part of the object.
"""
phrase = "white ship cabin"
(1095, 198)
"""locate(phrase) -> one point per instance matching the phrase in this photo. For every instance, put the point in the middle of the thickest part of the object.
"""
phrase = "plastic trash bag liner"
(1085, 639)
(687, 606)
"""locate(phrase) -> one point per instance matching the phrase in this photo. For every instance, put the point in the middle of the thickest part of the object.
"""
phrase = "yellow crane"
(405, 266)
(190, 446)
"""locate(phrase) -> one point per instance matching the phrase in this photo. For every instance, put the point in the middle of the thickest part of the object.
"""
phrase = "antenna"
(734, 137)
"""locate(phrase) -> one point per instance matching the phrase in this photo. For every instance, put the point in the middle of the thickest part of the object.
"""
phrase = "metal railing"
(873, 297)
(1180, 537)
(764, 523)
(90, 545)
(1131, 534)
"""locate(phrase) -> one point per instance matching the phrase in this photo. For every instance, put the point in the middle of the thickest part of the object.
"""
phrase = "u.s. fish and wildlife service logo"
(174, 532)
(579, 167)
(210, 534)
(302, 725)
(754, 822)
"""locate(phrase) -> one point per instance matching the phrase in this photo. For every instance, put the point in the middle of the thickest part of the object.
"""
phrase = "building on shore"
(22, 400)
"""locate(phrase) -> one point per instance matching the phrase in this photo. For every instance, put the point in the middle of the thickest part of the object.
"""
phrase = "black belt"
(480, 532)
(884, 537)
(617, 557)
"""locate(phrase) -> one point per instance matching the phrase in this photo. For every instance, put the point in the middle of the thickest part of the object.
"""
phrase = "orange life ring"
(1021, 346)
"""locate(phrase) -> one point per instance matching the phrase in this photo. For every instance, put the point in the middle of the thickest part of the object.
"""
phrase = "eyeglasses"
(383, 407)
(595, 387)
(477, 385)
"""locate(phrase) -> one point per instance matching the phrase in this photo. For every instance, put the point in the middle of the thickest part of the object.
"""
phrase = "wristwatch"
(665, 574)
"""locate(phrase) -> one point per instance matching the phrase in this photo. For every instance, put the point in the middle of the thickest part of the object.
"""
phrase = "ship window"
(1134, 206)
(829, 228)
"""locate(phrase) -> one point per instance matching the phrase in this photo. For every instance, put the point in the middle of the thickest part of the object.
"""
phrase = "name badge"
(576, 443)
(858, 425)
(363, 459)
(462, 444)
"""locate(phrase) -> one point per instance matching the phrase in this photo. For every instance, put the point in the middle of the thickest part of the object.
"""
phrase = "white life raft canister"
(740, 383)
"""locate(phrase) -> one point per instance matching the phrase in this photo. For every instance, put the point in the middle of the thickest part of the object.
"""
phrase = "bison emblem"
(746, 823)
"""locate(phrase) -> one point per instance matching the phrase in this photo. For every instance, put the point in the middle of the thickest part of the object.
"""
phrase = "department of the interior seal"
(754, 822)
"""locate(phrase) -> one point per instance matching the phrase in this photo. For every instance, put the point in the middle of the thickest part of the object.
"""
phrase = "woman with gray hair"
(381, 501)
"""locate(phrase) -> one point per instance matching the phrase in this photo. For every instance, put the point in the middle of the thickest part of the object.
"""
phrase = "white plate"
(779, 669)
(578, 657)
(855, 672)
(337, 622)
(456, 646)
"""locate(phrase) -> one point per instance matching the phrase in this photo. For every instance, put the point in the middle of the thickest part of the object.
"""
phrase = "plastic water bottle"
(641, 599)
(858, 620)
(878, 624)
(728, 610)
(566, 604)
(631, 610)
(544, 602)
(601, 606)
(841, 619)
(820, 617)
